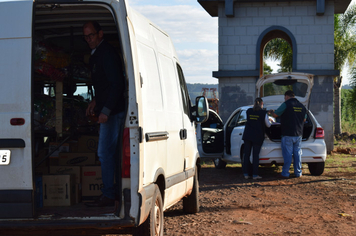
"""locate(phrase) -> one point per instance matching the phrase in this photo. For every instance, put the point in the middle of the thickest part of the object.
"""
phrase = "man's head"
(93, 34)
(288, 94)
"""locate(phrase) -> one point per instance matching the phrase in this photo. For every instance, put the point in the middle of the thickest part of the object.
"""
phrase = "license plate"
(5, 157)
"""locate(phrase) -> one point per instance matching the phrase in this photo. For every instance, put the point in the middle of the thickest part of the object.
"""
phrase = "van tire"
(219, 164)
(316, 168)
(153, 226)
(191, 202)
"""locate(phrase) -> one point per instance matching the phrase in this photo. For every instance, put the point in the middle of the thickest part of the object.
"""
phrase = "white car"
(223, 142)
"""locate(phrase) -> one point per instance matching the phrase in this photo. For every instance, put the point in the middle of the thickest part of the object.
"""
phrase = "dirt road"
(310, 205)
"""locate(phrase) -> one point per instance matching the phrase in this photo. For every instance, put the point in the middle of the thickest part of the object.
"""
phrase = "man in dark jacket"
(108, 105)
(293, 115)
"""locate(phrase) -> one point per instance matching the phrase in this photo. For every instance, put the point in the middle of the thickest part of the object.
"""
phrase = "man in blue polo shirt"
(293, 116)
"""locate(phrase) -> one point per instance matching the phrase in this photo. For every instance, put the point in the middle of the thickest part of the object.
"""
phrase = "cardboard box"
(72, 158)
(88, 143)
(63, 148)
(66, 170)
(58, 190)
(91, 182)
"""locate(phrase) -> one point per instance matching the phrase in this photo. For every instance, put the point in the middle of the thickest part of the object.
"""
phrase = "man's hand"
(90, 109)
(102, 118)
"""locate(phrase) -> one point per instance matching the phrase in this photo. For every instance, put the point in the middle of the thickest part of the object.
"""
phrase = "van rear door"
(15, 110)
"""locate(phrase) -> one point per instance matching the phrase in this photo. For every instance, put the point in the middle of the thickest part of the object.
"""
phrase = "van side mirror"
(201, 109)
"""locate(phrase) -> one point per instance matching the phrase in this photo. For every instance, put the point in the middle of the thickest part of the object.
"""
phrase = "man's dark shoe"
(282, 177)
(101, 201)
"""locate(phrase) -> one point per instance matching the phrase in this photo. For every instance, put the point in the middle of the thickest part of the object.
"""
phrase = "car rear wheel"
(219, 164)
(316, 168)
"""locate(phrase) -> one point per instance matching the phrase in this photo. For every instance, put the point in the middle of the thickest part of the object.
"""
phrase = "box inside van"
(46, 89)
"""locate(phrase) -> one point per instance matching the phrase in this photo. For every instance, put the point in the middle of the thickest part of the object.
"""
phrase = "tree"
(344, 53)
(267, 69)
(280, 49)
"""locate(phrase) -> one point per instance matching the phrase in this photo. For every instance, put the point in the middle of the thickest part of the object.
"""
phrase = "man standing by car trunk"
(293, 116)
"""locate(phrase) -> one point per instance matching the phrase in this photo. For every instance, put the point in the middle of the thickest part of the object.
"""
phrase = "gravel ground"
(310, 205)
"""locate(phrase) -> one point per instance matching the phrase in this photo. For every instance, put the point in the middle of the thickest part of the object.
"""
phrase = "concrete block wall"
(321, 105)
(235, 93)
(314, 37)
(314, 34)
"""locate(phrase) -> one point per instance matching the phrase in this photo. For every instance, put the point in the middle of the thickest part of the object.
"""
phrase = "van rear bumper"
(16, 204)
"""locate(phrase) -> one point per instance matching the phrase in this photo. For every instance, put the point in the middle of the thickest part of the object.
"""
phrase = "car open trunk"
(274, 132)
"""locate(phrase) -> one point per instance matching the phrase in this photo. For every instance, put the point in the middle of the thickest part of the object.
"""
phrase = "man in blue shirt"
(293, 116)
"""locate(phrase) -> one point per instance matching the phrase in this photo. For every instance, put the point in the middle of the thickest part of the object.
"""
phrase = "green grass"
(349, 127)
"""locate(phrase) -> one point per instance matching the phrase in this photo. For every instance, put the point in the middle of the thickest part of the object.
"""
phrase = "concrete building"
(246, 26)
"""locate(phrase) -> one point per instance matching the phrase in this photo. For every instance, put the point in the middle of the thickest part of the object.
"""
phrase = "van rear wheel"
(219, 164)
(153, 226)
(191, 202)
(316, 168)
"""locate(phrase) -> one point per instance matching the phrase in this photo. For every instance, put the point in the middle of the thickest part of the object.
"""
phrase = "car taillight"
(319, 133)
(126, 154)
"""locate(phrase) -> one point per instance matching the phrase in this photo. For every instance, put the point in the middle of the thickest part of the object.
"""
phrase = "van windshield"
(300, 89)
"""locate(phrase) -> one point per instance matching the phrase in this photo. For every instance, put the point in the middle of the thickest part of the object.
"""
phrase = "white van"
(45, 90)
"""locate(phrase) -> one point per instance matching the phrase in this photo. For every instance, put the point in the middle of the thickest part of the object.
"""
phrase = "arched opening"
(277, 37)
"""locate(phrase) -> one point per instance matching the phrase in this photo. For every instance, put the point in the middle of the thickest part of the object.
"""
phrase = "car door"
(210, 136)
(234, 131)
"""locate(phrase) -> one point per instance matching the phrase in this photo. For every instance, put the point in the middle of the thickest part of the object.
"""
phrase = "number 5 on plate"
(5, 157)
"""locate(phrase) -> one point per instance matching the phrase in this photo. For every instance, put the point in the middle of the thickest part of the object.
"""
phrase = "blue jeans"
(108, 141)
(248, 168)
(292, 147)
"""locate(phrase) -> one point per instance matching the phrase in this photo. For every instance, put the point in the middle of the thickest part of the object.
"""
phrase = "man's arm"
(279, 111)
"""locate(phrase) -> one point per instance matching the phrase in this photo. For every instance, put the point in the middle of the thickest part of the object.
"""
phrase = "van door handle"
(183, 134)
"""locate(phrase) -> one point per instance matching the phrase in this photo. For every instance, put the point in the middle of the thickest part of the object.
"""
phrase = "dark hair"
(289, 93)
(95, 24)
(257, 105)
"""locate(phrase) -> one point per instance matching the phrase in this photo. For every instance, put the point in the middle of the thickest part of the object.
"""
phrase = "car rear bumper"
(312, 151)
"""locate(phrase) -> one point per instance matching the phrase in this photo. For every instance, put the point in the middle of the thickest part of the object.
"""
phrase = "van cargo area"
(62, 89)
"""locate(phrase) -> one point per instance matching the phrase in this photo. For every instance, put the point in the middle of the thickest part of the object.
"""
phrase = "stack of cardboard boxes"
(71, 175)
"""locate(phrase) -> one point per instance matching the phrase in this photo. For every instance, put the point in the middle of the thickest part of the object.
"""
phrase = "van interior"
(62, 88)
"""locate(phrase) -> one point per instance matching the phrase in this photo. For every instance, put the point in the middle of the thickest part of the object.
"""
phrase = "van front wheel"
(316, 168)
(191, 202)
(153, 226)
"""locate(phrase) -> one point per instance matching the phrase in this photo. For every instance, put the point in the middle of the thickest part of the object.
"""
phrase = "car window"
(233, 120)
(213, 122)
(299, 88)
(242, 118)
(239, 119)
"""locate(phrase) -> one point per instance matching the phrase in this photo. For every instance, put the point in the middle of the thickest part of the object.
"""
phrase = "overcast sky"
(194, 34)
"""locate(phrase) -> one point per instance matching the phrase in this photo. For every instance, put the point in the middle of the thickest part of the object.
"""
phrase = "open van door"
(16, 186)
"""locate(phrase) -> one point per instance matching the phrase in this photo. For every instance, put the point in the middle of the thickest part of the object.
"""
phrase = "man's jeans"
(108, 138)
(291, 147)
